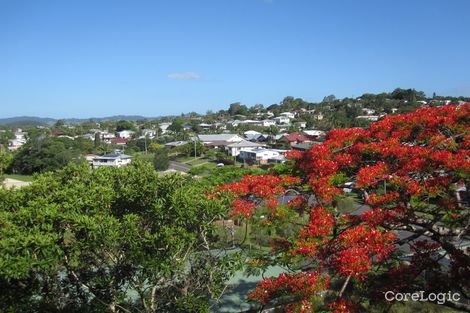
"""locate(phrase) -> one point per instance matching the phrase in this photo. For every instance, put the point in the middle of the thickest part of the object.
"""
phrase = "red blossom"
(371, 174)
(320, 225)
(242, 208)
(418, 156)
(303, 284)
(342, 306)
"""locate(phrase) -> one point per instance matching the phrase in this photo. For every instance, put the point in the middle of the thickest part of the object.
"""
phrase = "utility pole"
(194, 149)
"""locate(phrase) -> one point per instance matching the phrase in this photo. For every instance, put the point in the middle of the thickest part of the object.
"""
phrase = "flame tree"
(407, 233)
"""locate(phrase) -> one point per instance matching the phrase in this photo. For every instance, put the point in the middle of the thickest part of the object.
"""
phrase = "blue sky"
(99, 58)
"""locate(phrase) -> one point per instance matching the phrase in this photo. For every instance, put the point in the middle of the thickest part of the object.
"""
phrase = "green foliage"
(5, 134)
(237, 109)
(46, 154)
(161, 161)
(192, 149)
(177, 125)
(6, 158)
(125, 125)
(81, 240)
(153, 147)
(408, 94)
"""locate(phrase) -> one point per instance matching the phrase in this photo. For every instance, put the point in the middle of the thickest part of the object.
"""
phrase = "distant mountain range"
(34, 120)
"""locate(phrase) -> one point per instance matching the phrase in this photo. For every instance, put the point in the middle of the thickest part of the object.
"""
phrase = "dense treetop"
(406, 171)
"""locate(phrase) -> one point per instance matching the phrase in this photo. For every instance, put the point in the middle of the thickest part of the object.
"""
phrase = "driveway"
(178, 166)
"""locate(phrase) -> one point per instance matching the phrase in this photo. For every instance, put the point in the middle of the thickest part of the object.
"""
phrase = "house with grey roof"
(219, 140)
(235, 148)
(111, 159)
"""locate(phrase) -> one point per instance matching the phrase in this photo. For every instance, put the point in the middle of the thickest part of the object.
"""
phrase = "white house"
(151, 133)
(112, 159)
(235, 148)
(251, 133)
(314, 132)
(15, 144)
(318, 116)
(371, 118)
(301, 124)
(107, 136)
(368, 111)
(205, 125)
(164, 127)
(282, 119)
(219, 139)
(288, 114)
(126, 134)
(19, 140)
(262, 155)
(267, 123)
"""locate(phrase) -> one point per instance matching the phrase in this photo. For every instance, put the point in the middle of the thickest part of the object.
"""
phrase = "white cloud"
(184, 76)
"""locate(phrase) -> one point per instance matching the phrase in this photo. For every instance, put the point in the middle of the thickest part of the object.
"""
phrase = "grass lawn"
(196, 162)
(183, 159)
(26, 178)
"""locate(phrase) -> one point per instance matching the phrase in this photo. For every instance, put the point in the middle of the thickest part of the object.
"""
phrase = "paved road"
(10, 183)
(181, 167)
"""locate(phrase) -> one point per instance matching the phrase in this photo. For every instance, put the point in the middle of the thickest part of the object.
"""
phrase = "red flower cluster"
(401, 164)
(320, 225)
(357, 247)
(371, 174)
(303, 284)
(342, 306)
(242, 208)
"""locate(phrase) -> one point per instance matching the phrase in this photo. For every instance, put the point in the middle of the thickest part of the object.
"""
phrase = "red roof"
(119, 140)
(296, 137)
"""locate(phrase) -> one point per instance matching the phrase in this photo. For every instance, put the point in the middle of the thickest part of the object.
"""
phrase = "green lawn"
(183, 159)
(196, 162)
(26, 178)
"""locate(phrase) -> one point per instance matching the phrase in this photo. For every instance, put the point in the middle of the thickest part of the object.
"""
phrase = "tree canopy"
(409, 228)
(41, 154)
(111, 239)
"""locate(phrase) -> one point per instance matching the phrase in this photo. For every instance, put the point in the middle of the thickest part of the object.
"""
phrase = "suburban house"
(107, 136)
(119, 141)
(295, 138)
(205, 125)
(263, 155)
(90, 157)
(318, 116)
(219, 140)
(301, 124)
(372, 118)
(314, 133)
(235, 148)
(175, 144)
(282, 120)
(164, 127)
(151, 133)
(267, 123)
(125, 134)
(87, 136)
(18, 141)
(368, 111)
(57, 132)
(252, 135)
(15, 144)
(288, 114)
(112, 159)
